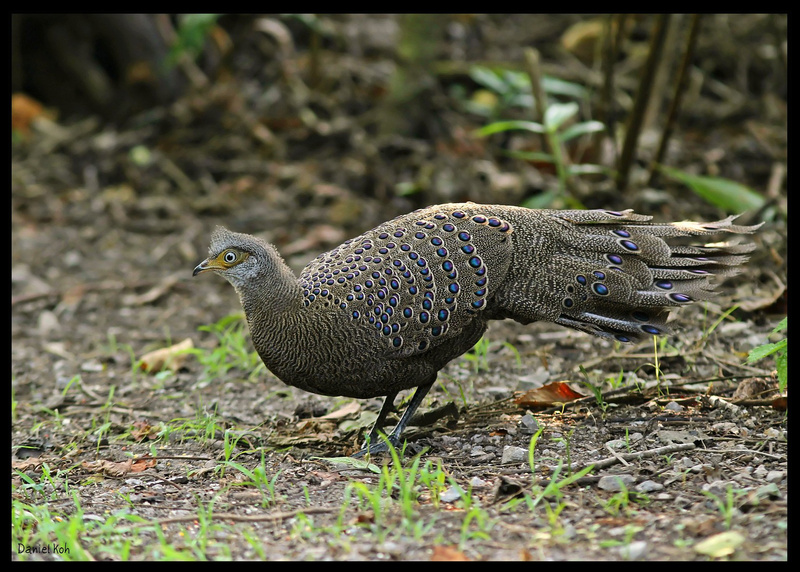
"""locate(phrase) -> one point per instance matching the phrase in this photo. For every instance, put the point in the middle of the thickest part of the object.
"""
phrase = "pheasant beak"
(207, 264)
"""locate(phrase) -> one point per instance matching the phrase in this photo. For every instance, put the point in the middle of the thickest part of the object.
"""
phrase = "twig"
(607, 462)
(221, 516)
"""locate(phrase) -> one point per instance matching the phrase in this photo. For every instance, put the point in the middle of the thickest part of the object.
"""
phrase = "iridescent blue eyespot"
(682, 298)
(600, 289)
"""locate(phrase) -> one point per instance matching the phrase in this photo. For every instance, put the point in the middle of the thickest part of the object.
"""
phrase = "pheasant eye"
(230, 257)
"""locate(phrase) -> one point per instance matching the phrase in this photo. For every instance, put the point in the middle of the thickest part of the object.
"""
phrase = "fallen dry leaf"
(109, 468)
(547, 395)
(447, 553)
(172, 357)
(143, 430)
(350, 409)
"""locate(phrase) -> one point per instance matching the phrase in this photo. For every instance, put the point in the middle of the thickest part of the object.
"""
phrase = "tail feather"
(615, 274)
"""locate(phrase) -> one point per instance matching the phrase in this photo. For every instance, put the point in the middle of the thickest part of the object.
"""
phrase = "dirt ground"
(108, 223)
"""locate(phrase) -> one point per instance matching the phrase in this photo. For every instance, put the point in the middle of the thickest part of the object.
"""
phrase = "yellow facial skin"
(225, 260)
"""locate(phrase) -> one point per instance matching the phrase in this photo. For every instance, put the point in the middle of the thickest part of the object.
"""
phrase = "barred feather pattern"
(386, 310)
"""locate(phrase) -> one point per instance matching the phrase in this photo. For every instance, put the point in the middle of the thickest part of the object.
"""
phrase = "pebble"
(649, 486)
(633, 551)
(775, 476)
(612, 482)
(513, 454)
(528, 424)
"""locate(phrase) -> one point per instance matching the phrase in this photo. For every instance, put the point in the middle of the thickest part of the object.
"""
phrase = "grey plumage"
(385, 311)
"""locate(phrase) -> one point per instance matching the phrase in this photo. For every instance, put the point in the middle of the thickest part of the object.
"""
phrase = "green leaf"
(556, 86)
(488, 78)
(726, 194)
(499, 126)
(761, 352)
(781, 364)
(557, 113)
(536, 156)
(581, 129)
(781, 326)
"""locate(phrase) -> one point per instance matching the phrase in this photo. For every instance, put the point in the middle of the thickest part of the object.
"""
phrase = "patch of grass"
(727, 503)
(394, 506)
(232, 352)
(551, 493)
(257, 478)
(780, 348)
(618, 502)
(204, 427)
(478, 356)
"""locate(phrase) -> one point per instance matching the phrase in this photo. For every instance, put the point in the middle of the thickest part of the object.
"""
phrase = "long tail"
(616, 275)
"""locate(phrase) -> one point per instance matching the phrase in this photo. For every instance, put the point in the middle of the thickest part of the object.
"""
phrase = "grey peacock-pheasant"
(385, 311)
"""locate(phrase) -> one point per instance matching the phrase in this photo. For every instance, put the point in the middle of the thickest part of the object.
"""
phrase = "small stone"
(477, 483)
(528, 424)
(648, 486)
(513, 454)
(633, 551)
(451, 494)
(612, 482)
(775, 476)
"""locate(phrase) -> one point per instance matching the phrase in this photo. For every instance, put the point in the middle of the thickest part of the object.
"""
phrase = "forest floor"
(215, 458)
